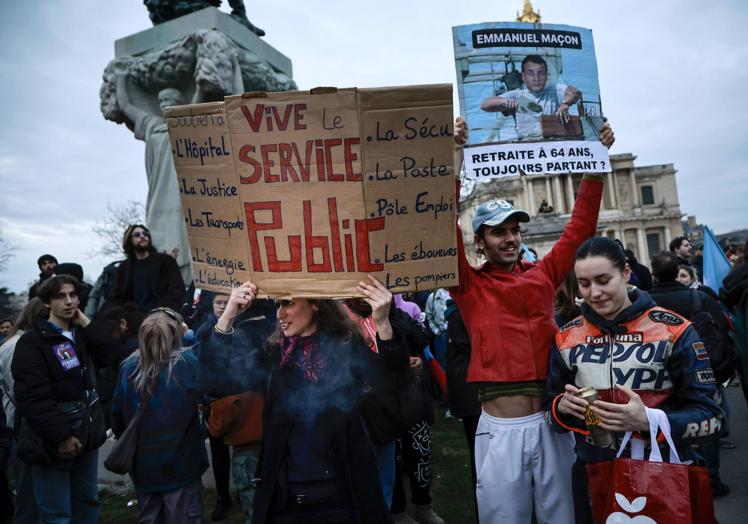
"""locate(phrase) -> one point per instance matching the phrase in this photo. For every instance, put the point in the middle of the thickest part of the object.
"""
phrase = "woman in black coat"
(317, 463)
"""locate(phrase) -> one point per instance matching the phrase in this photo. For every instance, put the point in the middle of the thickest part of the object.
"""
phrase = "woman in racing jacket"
(635, 355)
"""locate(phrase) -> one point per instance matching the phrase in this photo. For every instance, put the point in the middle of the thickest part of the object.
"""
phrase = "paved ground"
(733, 508)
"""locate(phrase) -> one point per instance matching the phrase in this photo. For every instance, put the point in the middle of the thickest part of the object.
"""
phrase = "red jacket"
(509, 315)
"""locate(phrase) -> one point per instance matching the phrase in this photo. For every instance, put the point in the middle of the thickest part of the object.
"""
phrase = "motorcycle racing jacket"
(646, 348)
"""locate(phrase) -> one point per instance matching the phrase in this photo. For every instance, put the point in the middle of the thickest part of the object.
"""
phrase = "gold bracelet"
(221, 332)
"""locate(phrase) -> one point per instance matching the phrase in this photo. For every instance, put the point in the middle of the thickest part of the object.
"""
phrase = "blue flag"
(716, 265)
(529, 255)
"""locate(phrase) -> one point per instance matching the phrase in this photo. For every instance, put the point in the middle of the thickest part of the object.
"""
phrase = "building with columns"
(640, 205)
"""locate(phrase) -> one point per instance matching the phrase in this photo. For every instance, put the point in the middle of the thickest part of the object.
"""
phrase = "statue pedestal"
(200, 57)
(162, 35)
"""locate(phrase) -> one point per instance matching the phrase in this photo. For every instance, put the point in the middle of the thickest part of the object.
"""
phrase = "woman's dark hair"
(742, 258)
(25, 320)
(688, 269)
(602, 247)
(129, 312)
(51, 287)
(564, 302)
(331, 319)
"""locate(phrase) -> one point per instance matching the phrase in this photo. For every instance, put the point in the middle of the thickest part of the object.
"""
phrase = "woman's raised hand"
(239, 301)
(379, 298)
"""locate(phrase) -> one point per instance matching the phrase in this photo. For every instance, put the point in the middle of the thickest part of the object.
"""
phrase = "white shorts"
(522, 463)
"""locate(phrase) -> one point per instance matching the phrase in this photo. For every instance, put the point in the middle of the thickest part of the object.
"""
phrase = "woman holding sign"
(317, 463)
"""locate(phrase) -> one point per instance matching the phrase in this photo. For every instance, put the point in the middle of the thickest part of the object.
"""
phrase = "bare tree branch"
(113, 225)
(7, 252)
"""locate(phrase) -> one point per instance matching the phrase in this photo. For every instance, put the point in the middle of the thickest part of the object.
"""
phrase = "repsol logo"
(706, 427)
(643, 378)
(637, 336)
(651, 352)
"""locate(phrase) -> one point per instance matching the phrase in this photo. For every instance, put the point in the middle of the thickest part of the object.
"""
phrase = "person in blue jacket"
(170, 456)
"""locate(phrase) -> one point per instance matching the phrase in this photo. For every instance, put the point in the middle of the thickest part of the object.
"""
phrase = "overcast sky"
(673, 79)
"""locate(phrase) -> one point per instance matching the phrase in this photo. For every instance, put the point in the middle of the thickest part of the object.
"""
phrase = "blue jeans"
(386, 461)
(243, 468)
(65, 497)
(440, 348)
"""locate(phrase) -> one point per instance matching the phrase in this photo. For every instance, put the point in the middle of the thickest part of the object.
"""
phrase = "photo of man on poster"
(532, 97)
(535, 98)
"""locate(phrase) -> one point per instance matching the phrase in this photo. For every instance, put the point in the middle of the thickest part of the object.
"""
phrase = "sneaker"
(424, 514)
(719, 488)
(403, 518)
(223, 505)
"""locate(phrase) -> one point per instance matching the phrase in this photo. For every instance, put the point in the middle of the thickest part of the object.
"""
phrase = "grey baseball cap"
(495, 212)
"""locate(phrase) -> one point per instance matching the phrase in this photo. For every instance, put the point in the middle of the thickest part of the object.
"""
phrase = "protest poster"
(203, 158)
(531, 97)
(307, 192)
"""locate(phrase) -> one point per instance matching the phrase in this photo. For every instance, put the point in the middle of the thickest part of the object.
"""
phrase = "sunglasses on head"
(168, 312)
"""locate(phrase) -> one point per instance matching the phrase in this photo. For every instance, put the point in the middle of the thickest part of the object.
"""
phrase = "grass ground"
(451, 489)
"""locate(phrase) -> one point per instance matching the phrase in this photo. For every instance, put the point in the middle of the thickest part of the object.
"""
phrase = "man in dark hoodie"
(640, 271)
(47, 265)
(734, 293)
(671, 294)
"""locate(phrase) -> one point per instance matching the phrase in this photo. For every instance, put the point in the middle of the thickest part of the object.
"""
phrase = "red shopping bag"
(650, 491)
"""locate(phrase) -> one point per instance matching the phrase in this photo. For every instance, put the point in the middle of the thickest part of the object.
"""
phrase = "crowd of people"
(318, 410)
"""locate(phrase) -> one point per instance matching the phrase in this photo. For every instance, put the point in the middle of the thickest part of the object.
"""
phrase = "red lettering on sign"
(312, 242)
(332, 211)
(257, 167)
(363, 227)
(285, 151)
(332, 176)
(273, 116)
(286, 157)
(294, 241)
(255, 120)
(305, 165)
(350, 158)
(329, 246)
(267, 163)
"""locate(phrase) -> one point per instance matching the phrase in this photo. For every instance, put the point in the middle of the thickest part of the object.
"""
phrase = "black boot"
(223, 505)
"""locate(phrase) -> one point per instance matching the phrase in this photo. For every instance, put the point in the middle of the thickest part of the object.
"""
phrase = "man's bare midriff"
(513, 407)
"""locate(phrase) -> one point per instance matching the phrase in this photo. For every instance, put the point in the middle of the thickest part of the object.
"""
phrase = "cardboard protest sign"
(531, 97)
(203, 157)
(305, 193)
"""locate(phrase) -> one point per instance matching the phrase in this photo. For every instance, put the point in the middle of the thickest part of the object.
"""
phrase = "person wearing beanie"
(47, 265)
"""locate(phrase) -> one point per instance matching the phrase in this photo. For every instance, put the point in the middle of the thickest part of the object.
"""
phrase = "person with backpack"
(170, 457)
(712, 325)
(102, 289)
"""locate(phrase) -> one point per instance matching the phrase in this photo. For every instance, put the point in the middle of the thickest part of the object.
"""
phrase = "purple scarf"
(308, 360)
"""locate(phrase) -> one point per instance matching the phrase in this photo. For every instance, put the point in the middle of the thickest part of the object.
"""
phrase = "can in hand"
(598, 436)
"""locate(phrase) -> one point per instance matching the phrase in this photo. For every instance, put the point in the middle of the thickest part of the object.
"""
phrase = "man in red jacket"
(507, 306)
